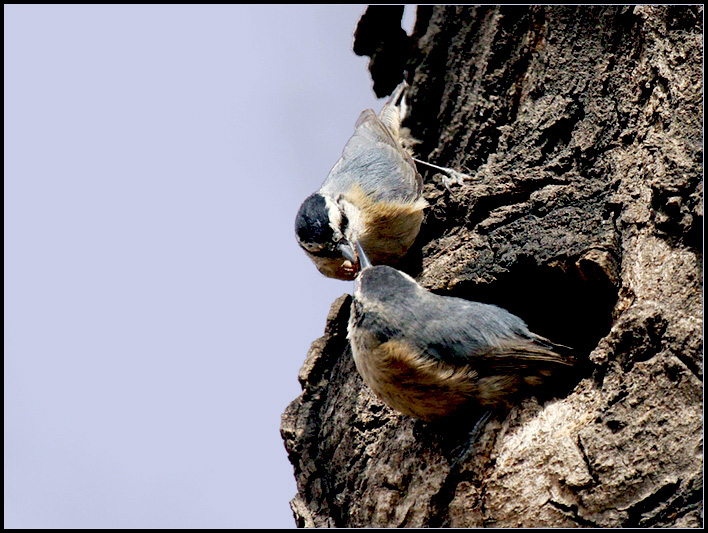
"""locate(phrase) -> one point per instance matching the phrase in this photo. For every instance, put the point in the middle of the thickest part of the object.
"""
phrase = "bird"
(372, 195)
(434, 357)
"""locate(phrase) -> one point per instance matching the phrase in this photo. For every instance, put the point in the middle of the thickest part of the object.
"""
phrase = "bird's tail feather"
(395, 110)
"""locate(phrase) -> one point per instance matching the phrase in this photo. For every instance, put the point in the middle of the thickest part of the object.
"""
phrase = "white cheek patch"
(335, 217)
(353, 215)
(357, 289)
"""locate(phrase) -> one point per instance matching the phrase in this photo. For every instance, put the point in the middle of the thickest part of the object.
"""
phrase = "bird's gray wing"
(458, 331)
(374, 159)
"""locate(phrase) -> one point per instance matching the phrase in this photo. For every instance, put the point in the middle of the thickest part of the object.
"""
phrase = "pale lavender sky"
(157, 307)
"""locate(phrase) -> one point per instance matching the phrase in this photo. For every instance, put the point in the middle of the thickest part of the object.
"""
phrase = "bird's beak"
(348, 253)
(363, 260)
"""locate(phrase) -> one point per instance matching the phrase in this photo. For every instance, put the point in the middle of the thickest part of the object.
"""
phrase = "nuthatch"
(371, 196)
(430, 356)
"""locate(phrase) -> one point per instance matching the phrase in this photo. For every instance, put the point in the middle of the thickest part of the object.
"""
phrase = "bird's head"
(320, 228)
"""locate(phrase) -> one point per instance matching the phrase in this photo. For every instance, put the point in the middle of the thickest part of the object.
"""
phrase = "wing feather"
(374, 159)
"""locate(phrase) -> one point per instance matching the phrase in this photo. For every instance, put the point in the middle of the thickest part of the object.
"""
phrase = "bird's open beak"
(348, 253)
(363, 260)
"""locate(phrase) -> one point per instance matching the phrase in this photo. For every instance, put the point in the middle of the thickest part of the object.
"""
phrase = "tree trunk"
(580, 129)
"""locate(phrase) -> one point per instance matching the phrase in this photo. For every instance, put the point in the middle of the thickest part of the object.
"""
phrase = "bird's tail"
(395, 109)
(533, 353)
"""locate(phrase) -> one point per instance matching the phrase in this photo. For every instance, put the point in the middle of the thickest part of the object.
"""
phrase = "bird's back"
(375, 160)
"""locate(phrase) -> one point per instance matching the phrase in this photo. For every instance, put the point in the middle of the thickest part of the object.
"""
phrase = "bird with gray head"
(432, 356)
(373, 196)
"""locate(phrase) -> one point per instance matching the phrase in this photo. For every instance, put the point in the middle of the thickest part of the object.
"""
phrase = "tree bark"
(580, 129)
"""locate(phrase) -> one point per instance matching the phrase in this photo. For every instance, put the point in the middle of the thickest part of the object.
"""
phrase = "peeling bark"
(581, 131)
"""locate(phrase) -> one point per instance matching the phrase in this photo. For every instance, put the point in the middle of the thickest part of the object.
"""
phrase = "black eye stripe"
(344, 224)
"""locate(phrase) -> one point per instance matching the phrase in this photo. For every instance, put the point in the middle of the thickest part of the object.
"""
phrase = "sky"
(157, 306)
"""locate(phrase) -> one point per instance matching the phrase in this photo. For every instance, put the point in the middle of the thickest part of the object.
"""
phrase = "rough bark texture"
(581, 131)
